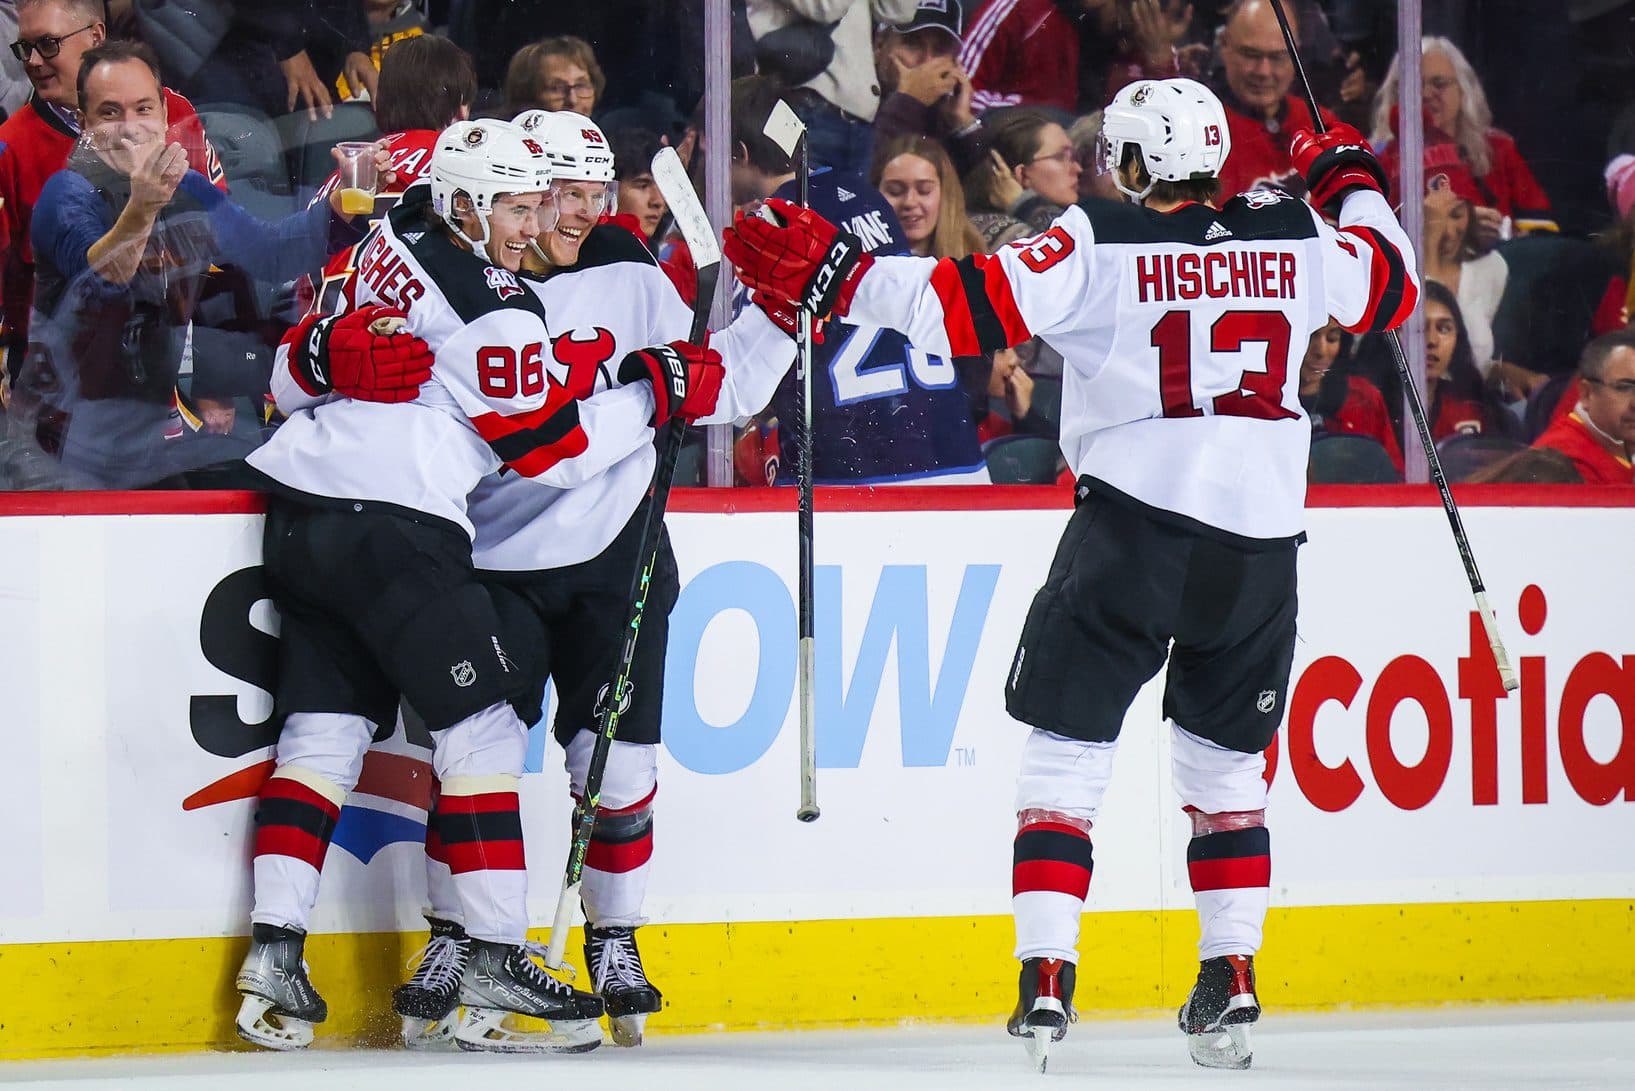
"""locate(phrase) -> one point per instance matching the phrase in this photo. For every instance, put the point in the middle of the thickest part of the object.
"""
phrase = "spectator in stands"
(52, 37)
(1599, 434)
(839, 99)
(389, 22)
(1031, 177)
(14, 85)
(1338, 401)
(1477, 279)
(1458, 402)
(925, 91)
(1481, 162)
(917, 179)
(641, 205)
(557, 73)
(1085, 133)
(1261, 111)
(273, 57)
(125, 235)
(1150, 41)
(1533, 466)
(1011, 383)
(1021, 52)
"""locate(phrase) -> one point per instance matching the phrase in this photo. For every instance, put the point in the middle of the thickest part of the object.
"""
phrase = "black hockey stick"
(672, 181)
(1416, 407)
(789, 133)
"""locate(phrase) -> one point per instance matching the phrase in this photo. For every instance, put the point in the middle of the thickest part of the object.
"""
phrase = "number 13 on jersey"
(1258, 394)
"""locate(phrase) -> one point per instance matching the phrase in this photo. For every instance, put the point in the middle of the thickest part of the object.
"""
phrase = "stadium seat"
(252, 158)
(1341, 459)
(1022, 460)
(307, 143)
(1047, 402)
(690, 463)
(1464, 455)
(1541, 406)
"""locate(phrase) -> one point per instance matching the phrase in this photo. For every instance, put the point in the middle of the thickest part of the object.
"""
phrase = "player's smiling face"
(579, 205)
(517, 219)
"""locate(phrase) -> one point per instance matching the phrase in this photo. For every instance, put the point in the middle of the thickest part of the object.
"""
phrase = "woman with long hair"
(1032, 177)
(1482, 163)
(1457, 401)
(1337, 400)
(917, 179)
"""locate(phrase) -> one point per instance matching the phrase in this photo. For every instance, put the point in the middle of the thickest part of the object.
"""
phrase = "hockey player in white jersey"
(368, 556)
(557, 563)
(1177, 320)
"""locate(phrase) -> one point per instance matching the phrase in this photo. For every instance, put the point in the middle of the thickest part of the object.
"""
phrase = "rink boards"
(1433, 841)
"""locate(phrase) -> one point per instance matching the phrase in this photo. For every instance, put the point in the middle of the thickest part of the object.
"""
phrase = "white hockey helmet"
(575, 145)
(1178, 125)
(483, 159)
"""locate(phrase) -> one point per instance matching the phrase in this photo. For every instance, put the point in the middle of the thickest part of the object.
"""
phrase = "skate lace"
(536, 975)
(441, 963)
(618, 960)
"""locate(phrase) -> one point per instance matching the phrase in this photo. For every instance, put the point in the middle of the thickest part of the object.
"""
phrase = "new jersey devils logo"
(503, 281)
(579, 354)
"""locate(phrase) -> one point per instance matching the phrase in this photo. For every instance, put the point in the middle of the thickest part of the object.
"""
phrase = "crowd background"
(976, 122)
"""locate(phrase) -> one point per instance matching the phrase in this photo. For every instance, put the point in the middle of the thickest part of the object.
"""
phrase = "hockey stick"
(1416, 407)
(672, 181)
(789, 133)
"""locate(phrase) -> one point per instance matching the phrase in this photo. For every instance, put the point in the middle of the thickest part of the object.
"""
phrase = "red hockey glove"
(783, 316)
(686, 379)
(1335, 163)
(363, 354)
(801, 257)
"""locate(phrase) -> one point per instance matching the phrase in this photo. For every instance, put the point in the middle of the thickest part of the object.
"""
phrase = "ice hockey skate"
(1044, 1006)
(1217, 1016)
(427, 1001)
(616, 972)
(501, 982)
(280, 1004)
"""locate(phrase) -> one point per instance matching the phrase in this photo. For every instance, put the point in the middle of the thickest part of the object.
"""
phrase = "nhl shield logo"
(503, 281)
(463, 673)
(1266, 701)
(601, 699)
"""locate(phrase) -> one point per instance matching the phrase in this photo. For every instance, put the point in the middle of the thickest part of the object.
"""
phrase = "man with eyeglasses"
(1258, 73)
(52, 37)
(1599, 434)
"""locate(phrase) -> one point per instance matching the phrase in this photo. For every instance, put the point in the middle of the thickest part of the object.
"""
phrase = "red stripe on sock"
(619, 857)
(289, 841)
(463, 858)
(1052, 875)
(1230, 874)
(434, 844)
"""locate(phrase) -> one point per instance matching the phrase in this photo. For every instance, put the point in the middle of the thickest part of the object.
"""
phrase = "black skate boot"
(616, 970)
(501, 980)
(428, 1000)
(280, 1005)
(1217, 1016)
(1044, 1005)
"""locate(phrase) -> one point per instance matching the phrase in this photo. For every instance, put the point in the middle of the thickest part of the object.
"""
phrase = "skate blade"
(627, 1029)
(486, 1030)
(260, 1024)
(430, 1035)
(1227, 1047)
(1038, 1040)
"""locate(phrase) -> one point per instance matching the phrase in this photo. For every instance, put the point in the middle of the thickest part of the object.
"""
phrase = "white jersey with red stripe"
(495, 398)
(614, 300)
(577, 460)
(1182, 334)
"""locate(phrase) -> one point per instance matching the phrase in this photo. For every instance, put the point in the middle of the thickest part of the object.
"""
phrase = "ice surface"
(1580, 1046)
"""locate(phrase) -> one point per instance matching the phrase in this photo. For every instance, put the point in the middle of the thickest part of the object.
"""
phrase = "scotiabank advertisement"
(141, 651)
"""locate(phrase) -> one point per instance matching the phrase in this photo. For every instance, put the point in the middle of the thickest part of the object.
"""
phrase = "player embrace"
(1181, 417)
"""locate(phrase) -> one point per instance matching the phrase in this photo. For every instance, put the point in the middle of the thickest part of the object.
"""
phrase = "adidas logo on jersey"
(1217, 230)
(845, 194)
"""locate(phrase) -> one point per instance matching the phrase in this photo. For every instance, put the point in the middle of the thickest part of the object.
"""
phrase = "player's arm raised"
(962, 307)
(755, 351)
(1370, 275)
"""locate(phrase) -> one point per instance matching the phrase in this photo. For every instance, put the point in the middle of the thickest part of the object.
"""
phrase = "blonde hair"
(1475, 118)
(954, 236)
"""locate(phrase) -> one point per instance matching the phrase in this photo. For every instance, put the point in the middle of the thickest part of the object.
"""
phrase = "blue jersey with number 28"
(882, 410)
